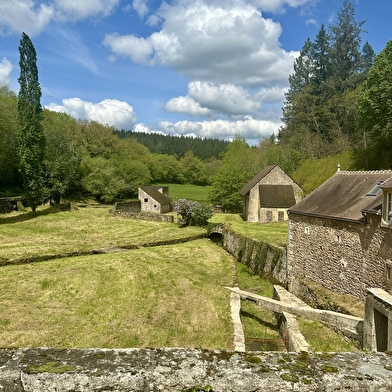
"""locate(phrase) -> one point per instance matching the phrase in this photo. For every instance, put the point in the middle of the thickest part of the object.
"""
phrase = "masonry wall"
(343, 257)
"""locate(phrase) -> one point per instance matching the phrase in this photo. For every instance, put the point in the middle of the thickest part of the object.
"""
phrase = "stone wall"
(264, 259)
(180, 370)
(343, 257)
(146, 216)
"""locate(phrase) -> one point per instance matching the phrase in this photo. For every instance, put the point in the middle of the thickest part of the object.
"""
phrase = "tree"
(31, 137)
(375, 108)
(9, 175)
(62, 160)
(239, 164)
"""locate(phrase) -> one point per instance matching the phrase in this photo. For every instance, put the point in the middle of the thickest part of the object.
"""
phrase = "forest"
(337, 110)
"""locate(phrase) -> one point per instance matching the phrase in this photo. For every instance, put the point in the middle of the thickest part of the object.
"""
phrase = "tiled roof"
(153, 191)
(344, 196)
(276, 196)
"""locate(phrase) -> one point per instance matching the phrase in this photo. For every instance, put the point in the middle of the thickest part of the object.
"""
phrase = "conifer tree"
(31, 137)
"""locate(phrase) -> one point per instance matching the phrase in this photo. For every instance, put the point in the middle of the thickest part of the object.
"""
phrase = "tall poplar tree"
(31, 137)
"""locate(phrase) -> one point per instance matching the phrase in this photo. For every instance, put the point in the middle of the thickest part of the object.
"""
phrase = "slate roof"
(258, 177)
(155, 194)
(386, 184)
(276, 196)
(344, 196)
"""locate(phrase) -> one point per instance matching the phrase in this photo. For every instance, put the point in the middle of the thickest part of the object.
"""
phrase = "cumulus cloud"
(186, 105)
(213, 43)
(33, 16)
(205, 98)
(77, 10)
(24, 15)
(5, 70)
(141, 7)
(109, 111)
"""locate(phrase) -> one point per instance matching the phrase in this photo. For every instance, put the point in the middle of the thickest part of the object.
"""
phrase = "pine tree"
(31, 137)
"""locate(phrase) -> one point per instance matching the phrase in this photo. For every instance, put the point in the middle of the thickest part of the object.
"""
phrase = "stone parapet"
(177, 370)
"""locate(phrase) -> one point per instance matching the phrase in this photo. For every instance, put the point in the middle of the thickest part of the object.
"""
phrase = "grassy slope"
(187, 191)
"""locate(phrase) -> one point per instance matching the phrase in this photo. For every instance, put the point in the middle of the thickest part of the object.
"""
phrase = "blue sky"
(207, 68)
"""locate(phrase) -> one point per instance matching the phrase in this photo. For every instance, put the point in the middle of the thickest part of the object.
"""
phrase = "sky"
(204, 68)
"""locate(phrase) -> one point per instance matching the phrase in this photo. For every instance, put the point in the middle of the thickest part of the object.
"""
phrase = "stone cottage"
(154, 199)
(267, 196)
(340, 235)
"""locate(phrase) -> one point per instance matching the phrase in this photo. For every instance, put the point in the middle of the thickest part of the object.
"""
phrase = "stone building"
(267, 196)
(340, 235)
(154, 199)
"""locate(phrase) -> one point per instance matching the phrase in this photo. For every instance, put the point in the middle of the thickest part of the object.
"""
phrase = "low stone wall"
(180, 370)
(145, 216)
(264, 259)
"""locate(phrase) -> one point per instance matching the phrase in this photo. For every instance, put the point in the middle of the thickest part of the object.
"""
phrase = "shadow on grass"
(29, 215)
(259, 320)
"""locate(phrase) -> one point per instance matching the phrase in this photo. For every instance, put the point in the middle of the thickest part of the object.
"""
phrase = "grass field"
(170, 296)
(189, 192)
(54, 232)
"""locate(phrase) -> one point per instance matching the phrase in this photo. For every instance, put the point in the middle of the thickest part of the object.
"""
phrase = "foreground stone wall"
(172, 370)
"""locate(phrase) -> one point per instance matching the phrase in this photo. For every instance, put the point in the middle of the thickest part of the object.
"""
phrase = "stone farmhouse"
(340, 235)
(267, 196)
(154, 199)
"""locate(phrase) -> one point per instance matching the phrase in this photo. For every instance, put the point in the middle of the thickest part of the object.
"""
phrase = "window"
(338, 239)
(389, 206)
(269, 216)
(388, 271)
(374, 191)
(280, 216)
(307, 230)
(146, 200)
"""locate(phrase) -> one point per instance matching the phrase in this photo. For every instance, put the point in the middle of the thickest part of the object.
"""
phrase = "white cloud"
(206, 99)
(33, 16)
(186, 105)
(78, 10)
(109, 111)
(212, 43)
(278, 5)
(141, 7)
(5, 70)
(23, 15)
(138, 49)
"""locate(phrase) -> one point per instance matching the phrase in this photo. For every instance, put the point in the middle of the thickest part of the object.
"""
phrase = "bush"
(193, 213)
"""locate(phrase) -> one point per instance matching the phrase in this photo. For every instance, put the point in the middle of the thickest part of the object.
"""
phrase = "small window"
(374, 191)
(146, 200)
(280, 216)
(155, 206)
(388, 271)
(338, 238)
(307, 230)
(389, 206)
(269, 216)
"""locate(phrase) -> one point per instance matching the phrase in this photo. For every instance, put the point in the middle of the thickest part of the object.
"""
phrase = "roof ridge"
(387, 171)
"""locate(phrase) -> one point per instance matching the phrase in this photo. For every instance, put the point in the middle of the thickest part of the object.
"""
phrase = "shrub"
(193, 213)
